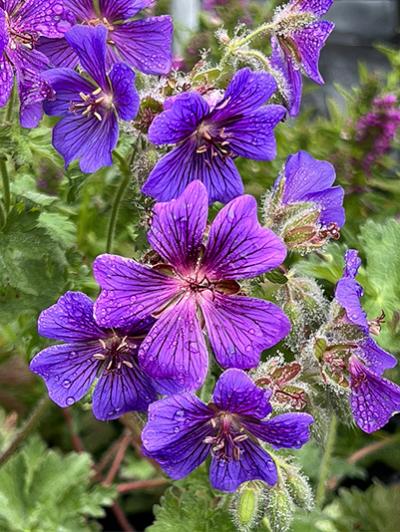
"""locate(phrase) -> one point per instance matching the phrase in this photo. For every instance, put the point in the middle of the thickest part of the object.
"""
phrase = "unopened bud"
(247, 506)
(280, 509)
(299, 488)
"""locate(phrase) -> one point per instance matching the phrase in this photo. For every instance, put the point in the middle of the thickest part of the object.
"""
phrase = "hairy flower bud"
(247, 506)
(299, 488)
(280, 509)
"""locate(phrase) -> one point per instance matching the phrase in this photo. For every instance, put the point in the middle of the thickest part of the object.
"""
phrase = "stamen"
(98, 116)
(103, 344)
(127, 363)
(97, 91)
(99, 356)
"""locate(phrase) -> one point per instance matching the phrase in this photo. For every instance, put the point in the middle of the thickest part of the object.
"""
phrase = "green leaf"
(42, 491)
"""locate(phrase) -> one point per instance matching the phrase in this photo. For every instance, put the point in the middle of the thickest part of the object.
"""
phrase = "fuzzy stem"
(6, 185)
(142, 484)
(326, 463)
(125, 169)
(10, 105)
(25, 430)
(263, 29)
(256, 54)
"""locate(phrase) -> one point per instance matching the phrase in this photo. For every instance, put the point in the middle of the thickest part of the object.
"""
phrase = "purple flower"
(182, 431)
(144, 44)
(298, 38)
(89, 353)
(209, 136)
(90, 108)
(373, 399)
(193, 286)
(21, 25)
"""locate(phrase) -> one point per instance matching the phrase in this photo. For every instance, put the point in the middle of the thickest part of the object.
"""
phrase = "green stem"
(10, 106)
(3, 216)
(25, 430)
(125, 169)
(6, 185)
(256, 54)
(263, 29)
(326, 463)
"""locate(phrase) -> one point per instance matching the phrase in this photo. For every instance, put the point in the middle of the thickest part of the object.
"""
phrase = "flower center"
(96, 103)
(228, 435)
(212, 140)
(115, 352)
(100, 22)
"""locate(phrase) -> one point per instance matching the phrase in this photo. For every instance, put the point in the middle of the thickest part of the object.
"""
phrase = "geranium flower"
(208, 136)
(22, 23)
(373, 399)
(297, 40)
(194, 287)
(144, 44)
(182, 431)
(90, 108)
(89, 353)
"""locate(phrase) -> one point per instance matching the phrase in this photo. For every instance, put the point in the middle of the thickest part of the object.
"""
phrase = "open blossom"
(89, 109)
(182, 432)
(144, 44)
(209, 135)
(304, 207)
(22, 23)
(89, 353)
(373, 399)
(194, 287)
(297, 40)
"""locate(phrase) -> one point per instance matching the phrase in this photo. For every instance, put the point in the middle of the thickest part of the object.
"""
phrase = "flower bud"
(299, 488)
(247, 505)
(280, 509)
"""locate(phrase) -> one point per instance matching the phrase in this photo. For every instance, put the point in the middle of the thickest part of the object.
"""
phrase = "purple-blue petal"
(82, 9)
(125, 96)
(66, 84)
(376, 358)
(316, 7)
(352, 263)
(4, 37)
(48, 18)
(116, 10)
(59, 52)
(291, 430)
(6, 80)
(348, 293)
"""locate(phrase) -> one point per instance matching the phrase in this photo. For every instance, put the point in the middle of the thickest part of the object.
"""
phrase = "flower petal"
(374, 400)
(59, 52)
(122, 390)
(175, 432)
(254, 464)
(252, 136)
(246, 92)
(238, 247)
(240, 328)
(82, 9)
(6, 80)
(122, 9)
(316, 7)
(310, 40)
(174, 352)
(4, 37)
(352, 263)
(90, 45)
(70, 319)
(88, 139)
(180, 120)
(67, 85)
(125, 96)
(68, 370)
(146, 44)
(331, 204)
(131, 291)
(236, 392)
(290, 430)
(348, 293)
(48, 18)
(376, 358)
(182, 165)
(178, 226)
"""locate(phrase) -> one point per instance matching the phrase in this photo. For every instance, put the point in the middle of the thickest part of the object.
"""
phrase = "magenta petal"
(174, 352)
(68, 370)
(254, 464)
(122, 390)
(236, 392)
(238, 247)
(130, 291)
(70, 319)
(240, 328)
(182, 165)
(374, 400)
(178, 226)
(122, 9)
(180, 120)
(146, 44)
(290, 430)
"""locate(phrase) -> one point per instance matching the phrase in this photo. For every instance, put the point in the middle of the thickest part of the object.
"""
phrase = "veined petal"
(6, 80)
(236, 392)
(70, 319)
(310, 40)
(4, 38)
(352, 263)
(182, 165)
(316, 7)
(122, 390)
(67, 85)
(290, 430)
(130, 291)
(49, 18)
(238, 247)
(348, 293)
(254, 464)
(178, 226)
(331, 204)
(82, 9)
(122, 9)
(240, 328)
(376, 358)
(246, 92)
(374, 400)
(68, 370)
(88, 139)
(180, 120)
(174, 352)
(59, 52)
(125, 96)
(146, 44)
(253, 135)
(90, 45)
